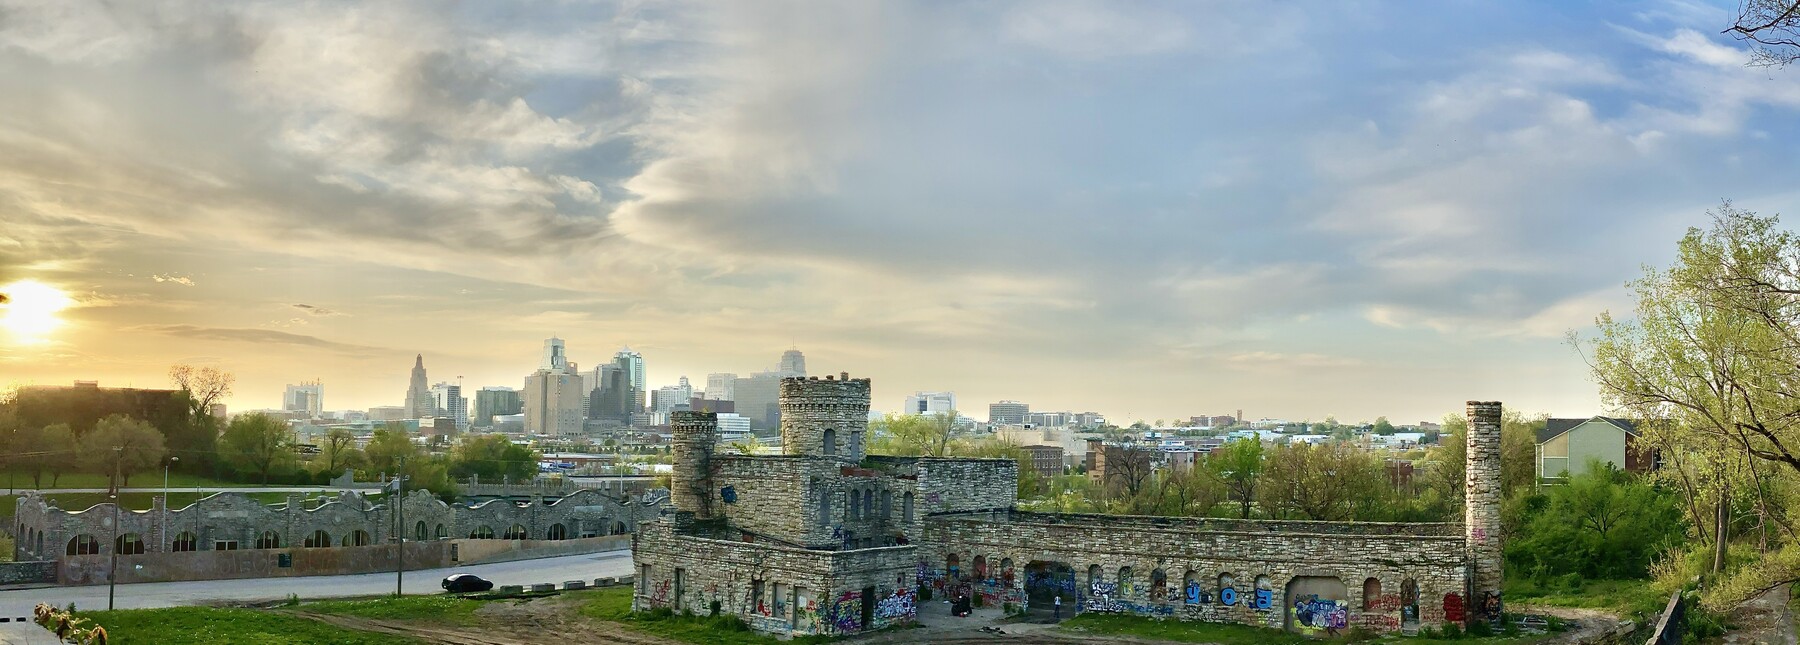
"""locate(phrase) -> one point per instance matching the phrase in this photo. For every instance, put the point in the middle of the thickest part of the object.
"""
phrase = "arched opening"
(1228, 591)
(1124, 582)
(184, 541)
(268, 540)
(129, 544)
(1094, 574)
(1371, 595)
(1159, 585)
(559, 532)
(981, 567)
(419, 532)
(887, 504)
(906, 507)
(357, 537)
(824, 505)
(83, 544)
(869, 503)
(830, 447)
(1265, 595)
(1006, 571)
(483, 532)
(1316, 604)
(1409, 603)
(1045, 581)
(855, 506)
(516, 532)
(951, 567)
(442, 533)
(619, 528)
(318, 539)
(1190, 588)
(40, 543)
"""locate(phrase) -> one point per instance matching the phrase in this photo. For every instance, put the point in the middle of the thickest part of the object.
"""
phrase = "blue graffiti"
(1228, 596)
(1316, 613)
(729, 494)
(1265, 599)
(1196, 595)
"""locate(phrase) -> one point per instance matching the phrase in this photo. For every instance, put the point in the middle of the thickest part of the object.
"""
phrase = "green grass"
(22, 479)
(209, 626)
(441, 609)
(1233, 634)
(613, 604)
(136, 501)
(1626, 597)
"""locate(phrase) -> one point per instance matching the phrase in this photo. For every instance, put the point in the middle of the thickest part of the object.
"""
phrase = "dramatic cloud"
(1150, 209)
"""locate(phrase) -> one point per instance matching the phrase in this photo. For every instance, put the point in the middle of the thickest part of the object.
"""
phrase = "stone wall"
(828, 417)
(225, 521)
(1212, 570)
(268, 563)
(775, 589)
(1481, 510)
(15, 573)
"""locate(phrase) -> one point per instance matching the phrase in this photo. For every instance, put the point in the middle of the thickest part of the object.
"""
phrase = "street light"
(164, 536)
(112, 568)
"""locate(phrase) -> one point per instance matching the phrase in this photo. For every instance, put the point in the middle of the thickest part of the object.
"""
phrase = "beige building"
(554, 402)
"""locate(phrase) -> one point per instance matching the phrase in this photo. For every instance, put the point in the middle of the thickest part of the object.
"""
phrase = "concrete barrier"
(14, 573)
(542, 587)
(573, 585)
(512, 589)
(605, 582)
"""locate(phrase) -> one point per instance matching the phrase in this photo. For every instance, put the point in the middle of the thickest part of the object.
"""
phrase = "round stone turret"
(825, 418)
(690, 485)
(1481, 512)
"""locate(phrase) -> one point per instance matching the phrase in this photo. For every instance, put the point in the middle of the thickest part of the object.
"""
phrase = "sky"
(1150, 210)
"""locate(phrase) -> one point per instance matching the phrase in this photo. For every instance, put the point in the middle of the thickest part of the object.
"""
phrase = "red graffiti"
(1388, 602)
(1453, 607)
(1380, 622)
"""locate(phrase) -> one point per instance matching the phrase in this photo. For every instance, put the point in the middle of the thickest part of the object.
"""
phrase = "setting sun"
(30, 307)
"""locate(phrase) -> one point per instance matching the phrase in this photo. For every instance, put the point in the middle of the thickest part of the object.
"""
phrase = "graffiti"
(1480, 534)
(1228, 597)
(1103, 600)
(932, 498)
(1265, 600)
(1453, 607)
(1380, 622)
(806, 613)
(729, 494)
(845, 615)
(659, 595)
(1313, 612)
(900, 605)
(1491, 608)
(1197, 595)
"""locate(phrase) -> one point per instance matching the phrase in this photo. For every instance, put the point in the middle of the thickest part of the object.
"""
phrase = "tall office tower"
(610, 398)
(758, 398)
(555, 357)
(495, 400)
(793, 362)
(554, 402)
(449, 399)
(685, 389)
(633, 364)
(419, 404)
(306, 397)
(719, 387)
(1008, 412)
(929, 403)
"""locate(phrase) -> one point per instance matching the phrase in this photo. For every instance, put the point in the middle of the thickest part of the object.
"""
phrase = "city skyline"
(1147, 210)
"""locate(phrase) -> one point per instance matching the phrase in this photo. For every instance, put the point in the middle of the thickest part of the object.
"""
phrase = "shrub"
(924, 593)
(976, 600)
(1452, 631)
(1481, 629)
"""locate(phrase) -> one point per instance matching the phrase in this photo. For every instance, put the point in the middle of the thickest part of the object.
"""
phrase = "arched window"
(269, 540)
(1190, 587)
(1006, 571)
(1228, 591)
(824, 507)
(951, 566)
(906, 504)
(887, 504)
(483, 532)
(83, 544)
(855, 506)
(1159, 584)
(357, 537)
(980, 567)
(318, 539)
(1124, 582)
(620, 529)
(869, 504)
(1371, 594)
(419, 531)
(1094, 574)
(559, 532)
(442, 533)
(856, 444)
(129, 544)
(185, 541)
(40, 543)
(517, 532)
(830, 441)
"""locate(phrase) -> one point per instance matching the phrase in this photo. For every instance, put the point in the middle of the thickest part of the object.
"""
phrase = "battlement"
(824, 417)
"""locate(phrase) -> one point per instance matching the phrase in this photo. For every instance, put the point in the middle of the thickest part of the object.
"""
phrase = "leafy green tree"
(1239, 464)
(57, 451)
(258, 443)
(339, 451)
(493, 457)
(1601, 524)
(195, 435)
(1382, 427)
(390, 445)
(1322, 482)
(911, 435)
(139, 447)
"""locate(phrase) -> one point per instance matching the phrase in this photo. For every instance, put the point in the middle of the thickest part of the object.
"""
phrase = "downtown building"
(555, 395)
(307, 397)
(1008, 412)
(493, 401)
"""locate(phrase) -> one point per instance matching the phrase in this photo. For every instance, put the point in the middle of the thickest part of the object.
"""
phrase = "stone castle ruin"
(826, 539)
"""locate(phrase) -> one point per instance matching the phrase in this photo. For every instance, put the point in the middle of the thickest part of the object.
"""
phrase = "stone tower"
(825, 418)
(690, 485)
(1481, 511)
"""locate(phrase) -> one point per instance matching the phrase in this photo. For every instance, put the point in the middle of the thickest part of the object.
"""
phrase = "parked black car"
(465, 583)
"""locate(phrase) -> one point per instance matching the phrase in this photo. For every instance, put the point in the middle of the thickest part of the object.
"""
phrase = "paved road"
(18, 602)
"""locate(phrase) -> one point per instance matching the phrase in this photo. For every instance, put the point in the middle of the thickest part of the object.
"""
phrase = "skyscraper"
(1008, 412)
(553, 402)
(929, 403)
(633, 365)
(449, 399)
(306, 397)
(495, 400)
(419, 403)
(793, 362)
(555, 357)
(719, 387)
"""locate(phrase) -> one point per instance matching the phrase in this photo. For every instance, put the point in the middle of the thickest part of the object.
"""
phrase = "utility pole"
(112, 569)
(400, 530)
(163, 538)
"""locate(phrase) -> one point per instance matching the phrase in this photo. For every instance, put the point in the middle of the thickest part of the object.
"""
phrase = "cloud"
(257, 336)
(181, 280)
(317, 311)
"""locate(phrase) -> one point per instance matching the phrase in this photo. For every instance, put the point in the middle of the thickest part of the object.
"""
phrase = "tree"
(493, 457)
(1239, 464)
(1601, 524)
(122, 445)
(339, 451)
(912, 435)
(1774, 28)
(1382, 427)
(390, 445)
(1127, 468)
(196, 436)
(258, 443)
(1322, 482)
(57, 452)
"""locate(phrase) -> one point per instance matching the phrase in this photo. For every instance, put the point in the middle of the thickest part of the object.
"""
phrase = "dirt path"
(1583, 623)
(1764, 620)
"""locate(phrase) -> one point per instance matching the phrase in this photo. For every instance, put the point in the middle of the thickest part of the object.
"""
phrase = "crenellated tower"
(825, 418)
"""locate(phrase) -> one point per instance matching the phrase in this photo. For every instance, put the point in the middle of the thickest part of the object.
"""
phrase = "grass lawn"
(209, 626)
(613, 604)
(1626, 597)
(1230, 634)
(22, 480)
(441, 609)
(136, 501)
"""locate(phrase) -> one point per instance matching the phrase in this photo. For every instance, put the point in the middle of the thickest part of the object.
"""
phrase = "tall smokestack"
(1481, 512)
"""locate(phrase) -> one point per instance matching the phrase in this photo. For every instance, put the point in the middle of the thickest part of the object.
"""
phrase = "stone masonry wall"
(774, 589)
(1112, 564)
(14, 573)
(1481, 509)
(811, 408)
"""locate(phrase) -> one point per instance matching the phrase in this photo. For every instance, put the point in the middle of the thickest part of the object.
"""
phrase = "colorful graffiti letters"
(1316, 613)
(1265, 600)
(1228, 596)
(1453, 607)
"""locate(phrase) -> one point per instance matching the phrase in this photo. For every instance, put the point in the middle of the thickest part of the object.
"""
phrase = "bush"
(924, 593)
(1481, 629)
(1552, 541)
(975, 600)
(1452, 631)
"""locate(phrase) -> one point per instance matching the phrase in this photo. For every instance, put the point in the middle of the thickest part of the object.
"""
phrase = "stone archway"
(1316, 604)
(1046, 580)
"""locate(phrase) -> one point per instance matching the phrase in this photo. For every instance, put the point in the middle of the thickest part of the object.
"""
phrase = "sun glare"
(29, 309)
